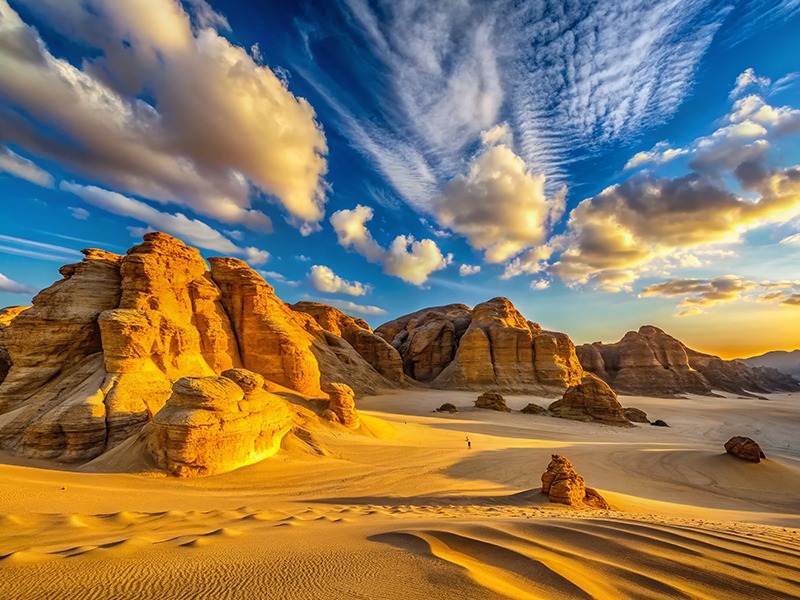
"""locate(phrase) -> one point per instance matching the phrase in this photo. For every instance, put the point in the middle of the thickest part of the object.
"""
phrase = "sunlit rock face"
(96, 356)
(342, 403)
(563, 485)
(591, 400)
(211, 425)
(492, 345)
(650, 362)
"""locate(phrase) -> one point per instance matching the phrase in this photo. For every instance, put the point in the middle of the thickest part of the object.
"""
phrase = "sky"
(604, 164)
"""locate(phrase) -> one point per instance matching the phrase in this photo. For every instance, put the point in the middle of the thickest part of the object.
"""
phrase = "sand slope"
(406, 511)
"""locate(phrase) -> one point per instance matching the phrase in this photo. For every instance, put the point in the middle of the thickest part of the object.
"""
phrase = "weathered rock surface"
(342, 404)
(744, 448)
(97, 354)
(652, 363)
(452, 347)
(591, 400)
(383, 357)
(635, 415)
(562, 484)
(448, 408)
(216, 424)
(492, 401)
(533, 409)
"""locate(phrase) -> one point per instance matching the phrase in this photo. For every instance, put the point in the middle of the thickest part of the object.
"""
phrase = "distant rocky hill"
(652, 363)
(786, 362)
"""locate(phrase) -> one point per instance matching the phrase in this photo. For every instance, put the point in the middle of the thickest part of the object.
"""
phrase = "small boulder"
(635, 415)
(492, 401)
(342, 403)
(448, 408)
(331, 416)
(563, 485)
(533, 409)
(591, 400)
(744, 448)
(659, 423)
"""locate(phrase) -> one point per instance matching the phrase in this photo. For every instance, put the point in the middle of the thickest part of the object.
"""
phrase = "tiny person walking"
(469, 444)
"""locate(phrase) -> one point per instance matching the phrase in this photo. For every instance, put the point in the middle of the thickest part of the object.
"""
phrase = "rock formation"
(6, 316)
(652, 363)
(383, 357)
(635, 415)
(342, 404)
(533, 409)
(492, 401)
(591, 400)
(453, 347)
(96, 356)
(562, 484)
(744, 448)
(448, 408)
(216, 424)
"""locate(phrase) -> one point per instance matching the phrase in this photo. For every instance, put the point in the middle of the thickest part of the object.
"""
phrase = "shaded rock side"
(211, 425)
(427, 339)
(492, 401)
(500, 348)
(744, 448)
(563, 485)
(533, 409)
(6, 316)
(591, 400)
(383, 357)
(738, 377)
(636, 415)
(342, 403)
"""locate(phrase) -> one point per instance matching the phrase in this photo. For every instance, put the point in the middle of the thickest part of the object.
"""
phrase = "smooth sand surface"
(405, 510)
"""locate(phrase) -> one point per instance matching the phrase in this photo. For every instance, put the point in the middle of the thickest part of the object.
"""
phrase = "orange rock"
(342, 404)
(563, 485)
(591, 400)
(744, 448)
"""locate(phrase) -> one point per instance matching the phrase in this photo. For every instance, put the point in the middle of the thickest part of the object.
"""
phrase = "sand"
(405, 510)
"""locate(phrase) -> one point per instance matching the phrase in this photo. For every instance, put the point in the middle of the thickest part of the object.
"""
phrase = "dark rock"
(447, 407)
(635, 415)
(744, 448)
(533, 409)
(659, 423)
(492, 401)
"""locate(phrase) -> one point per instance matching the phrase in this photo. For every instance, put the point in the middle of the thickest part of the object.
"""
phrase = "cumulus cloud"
(613, 282)
(540, 284)
(793, 300)
(325, 280)
(409, 259)
(12, 287)
(190, 230)
(531, 262)
(660, 154)
(701, 292)
(18, 166)
(500, 206)
(78, 212)
(162, 107)
(748, 79)
(466, 270)
(783, 120)
(351, 307)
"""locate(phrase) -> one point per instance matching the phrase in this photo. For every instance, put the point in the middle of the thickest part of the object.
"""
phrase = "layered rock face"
(562, 484)
(744, 448)
(492, 401)
(591, 400)
(492, 345)
(97, 355)
(216, 424)
(652, 363)
(342, 404)
(374, 349)
(6, 316)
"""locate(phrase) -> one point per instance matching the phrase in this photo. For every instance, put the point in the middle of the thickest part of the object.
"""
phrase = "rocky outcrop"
(744, 448)
(96, 356)
(492, 401)
(342, 404)
(383, 357)
(652, 363)
(562, 484)
(427, 339)
(635, 415)
(591, 400)
(216, 424)
(533, 409)
(6, 316)
(448, 408)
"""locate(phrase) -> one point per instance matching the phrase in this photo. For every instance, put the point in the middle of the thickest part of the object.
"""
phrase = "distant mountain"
(786, 362)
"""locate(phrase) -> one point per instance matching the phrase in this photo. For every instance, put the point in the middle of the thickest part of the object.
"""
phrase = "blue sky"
(603, 164)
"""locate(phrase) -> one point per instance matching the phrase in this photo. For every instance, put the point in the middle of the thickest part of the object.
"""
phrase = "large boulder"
(211, 425)
(492, 401)
(341, 403)
(563, 485)
(636, 415)
(591, 400)
(744, 448)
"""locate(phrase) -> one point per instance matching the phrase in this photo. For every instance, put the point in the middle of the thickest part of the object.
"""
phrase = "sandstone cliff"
(98, 353)
(652, 363)
(492, 345)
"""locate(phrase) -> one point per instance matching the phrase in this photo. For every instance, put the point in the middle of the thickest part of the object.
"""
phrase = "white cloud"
(500, 206)
(701, 292)
(21, 167)
(10, 286)
(325, 280)
(219, 124)
(351, 307)
(783, 120)
(410, 260)
(193, 231)
(540, 284)
(792, 239)
(270, 276)
(660, 154)
(748, 79)
(466, 270)
(78, 212)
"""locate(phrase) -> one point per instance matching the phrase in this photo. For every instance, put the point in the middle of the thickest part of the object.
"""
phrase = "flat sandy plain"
(405, 510)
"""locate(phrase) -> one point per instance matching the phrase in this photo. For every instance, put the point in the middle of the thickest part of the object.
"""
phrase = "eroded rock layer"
(563, 485)
(591, 400)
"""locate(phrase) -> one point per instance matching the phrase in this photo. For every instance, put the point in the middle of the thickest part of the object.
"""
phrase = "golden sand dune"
(404, 510)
